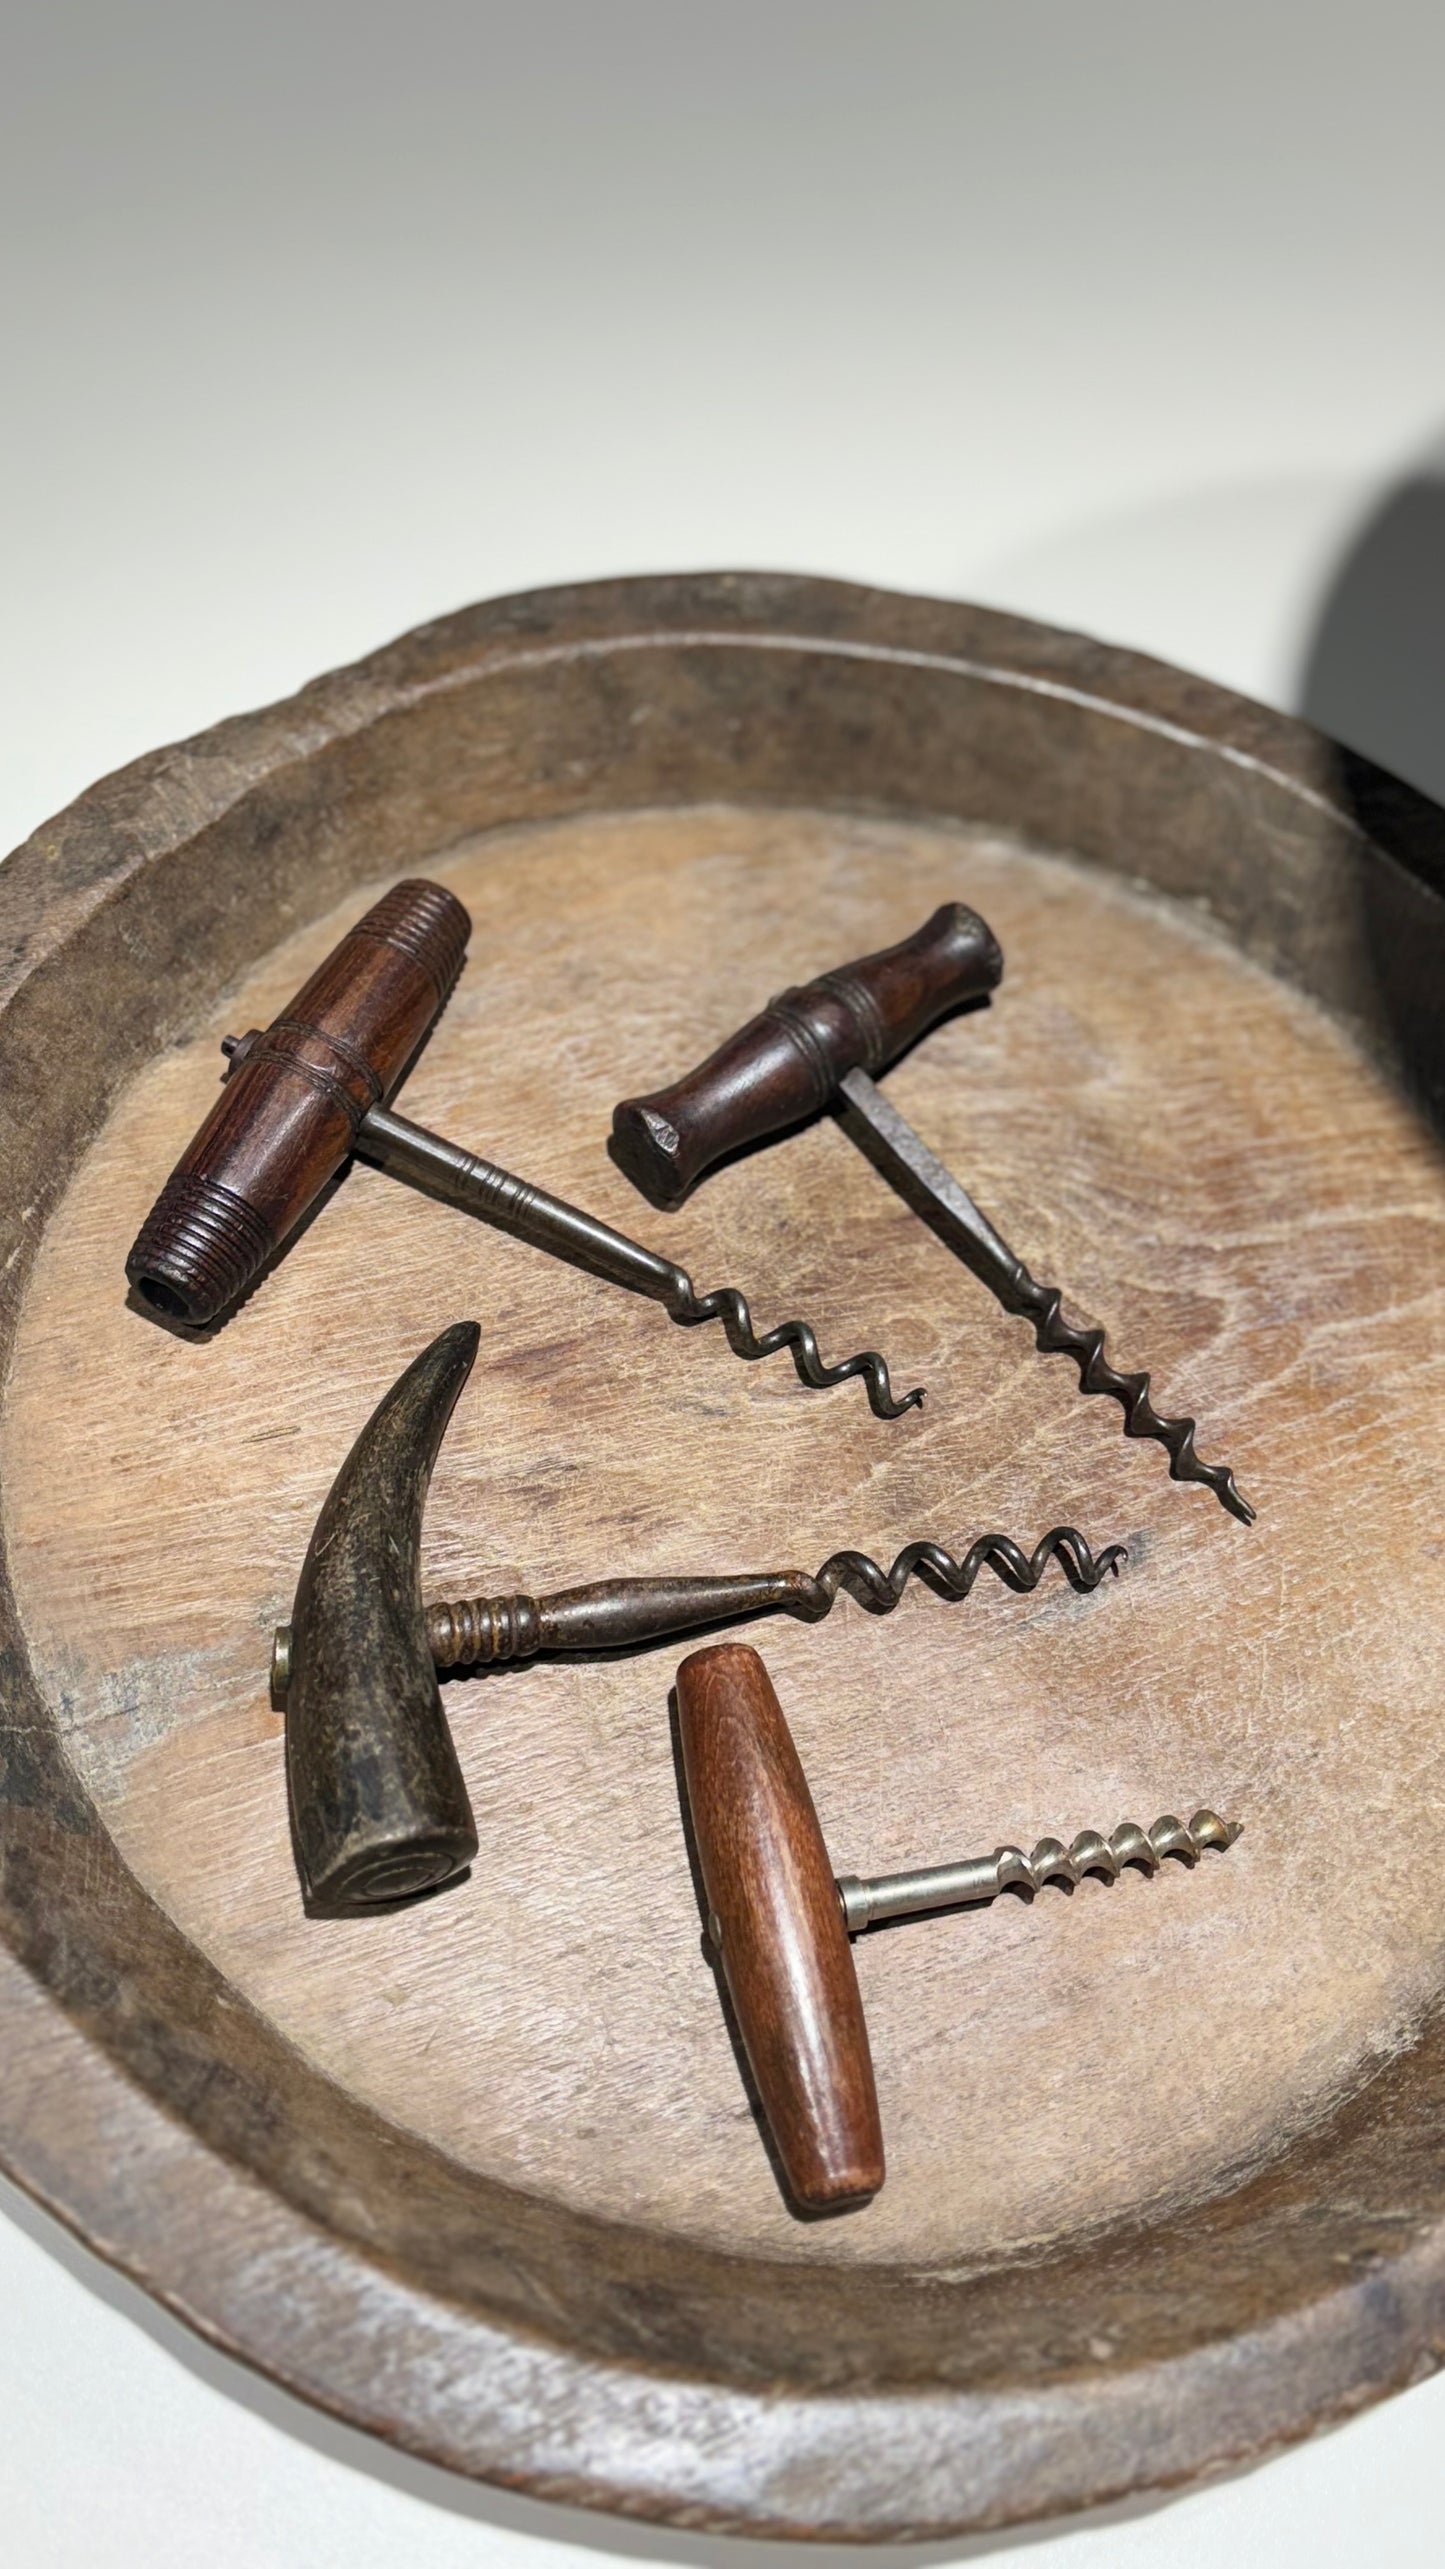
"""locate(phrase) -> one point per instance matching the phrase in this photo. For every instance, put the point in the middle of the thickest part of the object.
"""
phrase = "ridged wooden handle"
(293, 1101)
(788, 1061)
(777, 1927)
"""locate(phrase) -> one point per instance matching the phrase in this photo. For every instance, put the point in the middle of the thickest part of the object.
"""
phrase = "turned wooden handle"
(776, 1925)
(293, 1101)
(787, 1062)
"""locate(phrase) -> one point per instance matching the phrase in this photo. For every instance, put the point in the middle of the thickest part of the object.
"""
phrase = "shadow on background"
(1374, 672)
(1373, 676)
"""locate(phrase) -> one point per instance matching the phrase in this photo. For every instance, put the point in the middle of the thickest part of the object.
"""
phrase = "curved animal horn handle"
(776, 1925)
(378, 1806)
(787, 1062)
(293, 1100)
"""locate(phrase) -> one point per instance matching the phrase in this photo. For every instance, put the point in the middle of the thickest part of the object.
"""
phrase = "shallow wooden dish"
(1167, 2184)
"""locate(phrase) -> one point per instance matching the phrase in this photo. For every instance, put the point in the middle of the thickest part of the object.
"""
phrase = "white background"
(317, 321)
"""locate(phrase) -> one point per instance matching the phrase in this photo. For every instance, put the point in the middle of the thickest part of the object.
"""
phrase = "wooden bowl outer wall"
(166, 2122)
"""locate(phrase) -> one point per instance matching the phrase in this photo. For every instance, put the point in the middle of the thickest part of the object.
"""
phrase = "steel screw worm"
(1055, 1336)
(878, 1591)
(983, 1877)
(779, 1918)
(687, 1306)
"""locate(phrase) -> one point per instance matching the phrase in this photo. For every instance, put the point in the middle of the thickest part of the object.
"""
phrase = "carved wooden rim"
(166, 2122)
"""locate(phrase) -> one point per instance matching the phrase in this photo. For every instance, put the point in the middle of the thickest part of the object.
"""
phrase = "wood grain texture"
(1164, 2177)
(294, 1098)
(788, 1060)
(1237, 1670)
(775, 1925)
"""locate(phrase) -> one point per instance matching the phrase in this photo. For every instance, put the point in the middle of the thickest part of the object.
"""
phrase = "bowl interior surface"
(1161, 1125)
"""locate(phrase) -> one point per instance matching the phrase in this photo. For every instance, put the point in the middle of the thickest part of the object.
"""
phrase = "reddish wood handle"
(788, 1061)
(777, 1927)
(294, 1097)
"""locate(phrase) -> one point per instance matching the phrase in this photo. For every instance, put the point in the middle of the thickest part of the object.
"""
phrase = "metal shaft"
(950, 1210)
(478, 1186)
(609, 1614)
(509, 1203)
(983, 1877)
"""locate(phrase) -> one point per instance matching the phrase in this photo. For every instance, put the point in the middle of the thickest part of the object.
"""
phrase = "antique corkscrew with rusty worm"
(611, 1614)
(304, 1095)
(379, 1810)
(819, 1044)
(779, 1921)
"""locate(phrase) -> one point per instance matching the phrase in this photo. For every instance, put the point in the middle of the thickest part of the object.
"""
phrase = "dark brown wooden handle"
(294, 1097)
(787, 1062)
(777, 1927)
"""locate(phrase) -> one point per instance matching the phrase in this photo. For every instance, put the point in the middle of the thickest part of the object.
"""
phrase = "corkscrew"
(304, 1095)
(378, 1806)
(779, 1922)
(619, 1614)
(819, 1044)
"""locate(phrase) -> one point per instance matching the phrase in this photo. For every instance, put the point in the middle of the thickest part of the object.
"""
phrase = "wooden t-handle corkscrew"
(821, 1044)
(780, 1922)
(302, 1096)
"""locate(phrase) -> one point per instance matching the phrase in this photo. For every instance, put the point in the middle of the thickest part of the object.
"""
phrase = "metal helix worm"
(1052, 1861)
(983, 1877)
(1055, 1336)
(611, 1614)
(878, 1591)
(687, 1306)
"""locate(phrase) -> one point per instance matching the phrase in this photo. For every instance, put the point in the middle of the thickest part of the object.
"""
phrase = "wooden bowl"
(1166, 2180)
